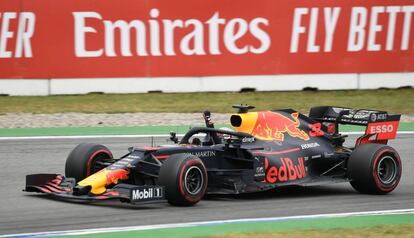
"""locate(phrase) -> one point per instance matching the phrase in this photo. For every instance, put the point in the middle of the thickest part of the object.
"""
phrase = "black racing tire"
(374, 169)
(184, 177)
(81, 161)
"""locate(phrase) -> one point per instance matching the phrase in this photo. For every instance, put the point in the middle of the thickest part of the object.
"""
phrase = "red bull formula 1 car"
(266, 150)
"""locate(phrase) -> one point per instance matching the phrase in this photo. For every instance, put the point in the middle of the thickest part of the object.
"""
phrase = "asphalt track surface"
(24, 212)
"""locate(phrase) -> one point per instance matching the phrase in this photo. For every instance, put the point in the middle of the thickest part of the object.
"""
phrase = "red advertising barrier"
(137, 38)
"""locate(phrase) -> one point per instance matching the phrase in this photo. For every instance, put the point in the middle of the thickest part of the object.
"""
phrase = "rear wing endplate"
(380, 126)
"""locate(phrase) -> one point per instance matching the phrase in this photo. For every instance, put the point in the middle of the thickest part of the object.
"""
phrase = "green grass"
(385, 231)
(391, 225)
(394, 101)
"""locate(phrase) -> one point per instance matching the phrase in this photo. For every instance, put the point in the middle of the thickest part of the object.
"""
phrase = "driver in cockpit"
(212, 137)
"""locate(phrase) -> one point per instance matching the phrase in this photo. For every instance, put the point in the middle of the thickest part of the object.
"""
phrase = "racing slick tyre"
(86, 159)
(184, 177)
(374, 169)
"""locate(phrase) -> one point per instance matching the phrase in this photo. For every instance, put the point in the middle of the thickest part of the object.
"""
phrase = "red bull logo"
(103, 178)
(273, 126)
(288, 171)
(112, 176)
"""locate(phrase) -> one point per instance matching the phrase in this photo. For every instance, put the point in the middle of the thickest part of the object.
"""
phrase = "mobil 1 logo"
(146, 193)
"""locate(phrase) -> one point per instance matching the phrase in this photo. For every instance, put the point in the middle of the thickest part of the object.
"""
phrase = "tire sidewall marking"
(188, 163)
(90, 159)
(379, 184)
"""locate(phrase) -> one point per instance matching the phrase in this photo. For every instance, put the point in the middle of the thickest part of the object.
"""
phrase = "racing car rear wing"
(380, 126)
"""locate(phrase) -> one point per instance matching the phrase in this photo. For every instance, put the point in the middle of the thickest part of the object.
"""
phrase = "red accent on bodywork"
(161, 157)
(150, 148)
(57, 180)
(386, 130)
(45, 190)
(379, 133)
(288, 171)
(53, 189)
(55, 186)
(113, 176)
(101, 197)
(277, 152)
(112, 193)
(366, 139)
(331, 128)
(316, 130)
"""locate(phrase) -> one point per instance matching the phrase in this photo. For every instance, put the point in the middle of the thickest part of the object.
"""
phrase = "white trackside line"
(204, 223)
(131, 136)
(83, 137)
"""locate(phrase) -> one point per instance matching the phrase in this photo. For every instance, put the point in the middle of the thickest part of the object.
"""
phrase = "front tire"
(374, 169)
(86, 159)
(185, 179)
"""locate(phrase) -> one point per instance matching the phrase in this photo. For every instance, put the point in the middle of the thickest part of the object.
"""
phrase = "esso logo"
(382, 129)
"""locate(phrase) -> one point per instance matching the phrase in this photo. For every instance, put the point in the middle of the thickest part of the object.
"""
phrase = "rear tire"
(374, 169)
(81, 161)
(185, 179)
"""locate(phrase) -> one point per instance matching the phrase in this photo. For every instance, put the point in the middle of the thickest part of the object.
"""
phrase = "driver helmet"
(225, 136)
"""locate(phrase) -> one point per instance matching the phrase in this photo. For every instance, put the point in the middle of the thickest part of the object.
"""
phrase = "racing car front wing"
(58, 186)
